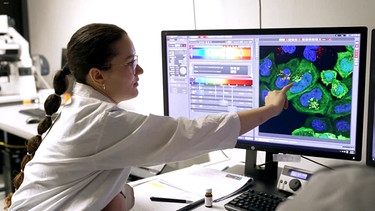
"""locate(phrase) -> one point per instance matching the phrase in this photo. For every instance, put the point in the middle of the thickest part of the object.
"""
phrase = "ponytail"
(51, 106)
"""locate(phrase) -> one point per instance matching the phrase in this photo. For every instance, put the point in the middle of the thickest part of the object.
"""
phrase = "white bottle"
(208, 197)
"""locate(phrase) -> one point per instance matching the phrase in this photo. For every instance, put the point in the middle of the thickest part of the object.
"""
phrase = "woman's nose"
(138, 70)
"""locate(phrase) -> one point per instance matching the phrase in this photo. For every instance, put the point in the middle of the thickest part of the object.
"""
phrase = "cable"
(222, 151)
(41, 79)
(321, 164)
(12, 146)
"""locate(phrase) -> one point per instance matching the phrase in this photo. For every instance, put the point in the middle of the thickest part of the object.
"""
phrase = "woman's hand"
(277, 99)
(123, 201)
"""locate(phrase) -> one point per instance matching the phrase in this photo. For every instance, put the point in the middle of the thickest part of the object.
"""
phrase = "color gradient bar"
(234, 81)
(220, 53)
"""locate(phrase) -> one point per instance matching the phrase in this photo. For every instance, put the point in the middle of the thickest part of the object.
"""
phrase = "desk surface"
(142, 196)
(12, 121)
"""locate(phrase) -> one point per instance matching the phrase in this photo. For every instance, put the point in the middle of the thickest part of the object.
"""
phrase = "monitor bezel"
(255, 146)
(371, 105)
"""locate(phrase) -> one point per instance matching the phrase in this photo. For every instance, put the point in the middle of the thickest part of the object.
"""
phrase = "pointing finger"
(287, 87)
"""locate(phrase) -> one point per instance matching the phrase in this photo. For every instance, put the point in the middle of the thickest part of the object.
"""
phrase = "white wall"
(52, 22)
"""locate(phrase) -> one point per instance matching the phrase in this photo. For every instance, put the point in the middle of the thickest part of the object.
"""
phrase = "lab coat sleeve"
(161, 139)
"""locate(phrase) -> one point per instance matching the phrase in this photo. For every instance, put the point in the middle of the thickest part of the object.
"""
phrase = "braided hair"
(90, 46)
(51, 106)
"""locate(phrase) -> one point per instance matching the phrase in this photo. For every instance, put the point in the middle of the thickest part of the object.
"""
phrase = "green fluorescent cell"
(303, 131)
(339, 89)
(325, 135)
(267, 68)
(339, 108)
(315, 101)
(328, 76)
(320, 124)
(344, 63)
(342, 126)
(340, 137)
(304, 76)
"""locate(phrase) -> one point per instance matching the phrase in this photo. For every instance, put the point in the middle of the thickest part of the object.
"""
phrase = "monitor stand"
(266, 175)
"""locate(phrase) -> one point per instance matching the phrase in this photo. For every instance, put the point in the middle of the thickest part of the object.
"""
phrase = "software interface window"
(219, 73)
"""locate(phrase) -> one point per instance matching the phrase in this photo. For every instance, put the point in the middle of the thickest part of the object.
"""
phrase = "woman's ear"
(96, 76)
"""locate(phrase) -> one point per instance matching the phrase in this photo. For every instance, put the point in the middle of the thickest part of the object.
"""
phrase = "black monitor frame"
(370, 150)
(252, 147)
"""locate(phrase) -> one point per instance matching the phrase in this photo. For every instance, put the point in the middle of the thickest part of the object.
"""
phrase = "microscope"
(17, 81)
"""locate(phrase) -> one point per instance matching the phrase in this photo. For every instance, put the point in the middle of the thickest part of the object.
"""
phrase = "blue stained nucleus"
(329, 76)
(342, 108)
(339, 89)
(346, 65)
(343, 126)
(264, 93)
(302, 84)
(310, 53)
(286, 71)
(319, 125)
(281, 82)
(313, 94)
(265, 67)
(289, 49)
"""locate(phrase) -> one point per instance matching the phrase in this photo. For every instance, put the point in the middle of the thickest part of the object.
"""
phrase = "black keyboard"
(36, 112)
(253, 200)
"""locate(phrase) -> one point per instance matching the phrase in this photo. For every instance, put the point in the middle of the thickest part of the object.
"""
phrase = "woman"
(84, 160)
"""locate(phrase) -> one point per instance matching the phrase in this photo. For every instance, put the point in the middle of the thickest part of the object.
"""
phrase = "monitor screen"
(210, 71)
(370, 151)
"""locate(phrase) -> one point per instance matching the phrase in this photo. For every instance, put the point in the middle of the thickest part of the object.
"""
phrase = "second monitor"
(370, 151)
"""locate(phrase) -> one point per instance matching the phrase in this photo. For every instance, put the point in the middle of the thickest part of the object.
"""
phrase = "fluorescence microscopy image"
(320, 99)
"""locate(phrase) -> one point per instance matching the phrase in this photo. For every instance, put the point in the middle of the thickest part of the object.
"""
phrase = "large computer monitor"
(370, 150)
(210, 71)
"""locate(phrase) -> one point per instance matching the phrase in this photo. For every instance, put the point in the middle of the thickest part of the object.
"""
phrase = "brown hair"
(90, 46)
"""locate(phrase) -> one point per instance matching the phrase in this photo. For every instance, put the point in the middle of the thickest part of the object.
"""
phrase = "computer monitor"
(370, 150)
(210, 71)
(63, 57)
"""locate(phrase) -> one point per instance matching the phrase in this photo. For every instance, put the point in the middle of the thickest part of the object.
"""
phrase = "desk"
(12, 121)
(15, 131)
(142, 198)
(142, 195)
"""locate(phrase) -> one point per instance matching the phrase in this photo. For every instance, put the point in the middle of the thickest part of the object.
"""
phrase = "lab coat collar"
(83, 90)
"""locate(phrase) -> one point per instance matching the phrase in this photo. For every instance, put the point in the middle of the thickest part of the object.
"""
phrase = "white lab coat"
(85, 159)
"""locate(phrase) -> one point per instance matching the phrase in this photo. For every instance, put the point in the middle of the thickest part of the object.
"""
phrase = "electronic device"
(211, 71)
(293, 179)
(17, 82)
(253, 199)
(63, 57)
(370, 150)
(33, 120)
